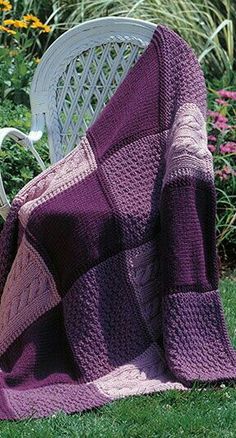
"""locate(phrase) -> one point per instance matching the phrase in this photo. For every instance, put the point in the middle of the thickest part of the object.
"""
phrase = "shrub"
(18, 54)
(222, 143)
(17, 165)
(208, 26)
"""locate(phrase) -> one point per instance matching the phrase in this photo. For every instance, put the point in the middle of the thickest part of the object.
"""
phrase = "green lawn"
(206, 413)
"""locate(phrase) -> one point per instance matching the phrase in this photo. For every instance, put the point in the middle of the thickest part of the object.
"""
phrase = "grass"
(204, 413)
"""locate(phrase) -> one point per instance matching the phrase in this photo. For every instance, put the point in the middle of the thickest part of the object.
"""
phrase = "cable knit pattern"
(147, 373)
(29, 291)
(187, 149)
(108, 262)
(145, 267)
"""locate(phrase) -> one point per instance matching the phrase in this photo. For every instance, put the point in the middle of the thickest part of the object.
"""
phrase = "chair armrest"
(24, 140)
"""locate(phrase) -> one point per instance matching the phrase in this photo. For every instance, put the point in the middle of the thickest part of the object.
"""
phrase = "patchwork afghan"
(108, 262)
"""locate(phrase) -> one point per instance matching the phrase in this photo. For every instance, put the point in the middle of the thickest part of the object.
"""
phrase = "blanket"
(109, 277)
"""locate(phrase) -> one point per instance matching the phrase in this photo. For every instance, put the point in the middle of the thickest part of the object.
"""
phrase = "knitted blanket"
(108, 260)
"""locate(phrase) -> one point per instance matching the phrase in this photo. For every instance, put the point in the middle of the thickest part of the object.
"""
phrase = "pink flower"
(222, 126)
(213, 114)
(227, 94)
(229, 148)
(225, 172)
(222, 102)
(212, 138)
(211, 147)
(220, 121)
(222, 118)
(221, 174)
(224, 149)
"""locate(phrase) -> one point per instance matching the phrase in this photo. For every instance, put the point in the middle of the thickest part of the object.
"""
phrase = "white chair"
(76, 77)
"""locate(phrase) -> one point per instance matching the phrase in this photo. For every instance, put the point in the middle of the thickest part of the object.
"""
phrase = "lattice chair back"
(79, 73)
(76, 77)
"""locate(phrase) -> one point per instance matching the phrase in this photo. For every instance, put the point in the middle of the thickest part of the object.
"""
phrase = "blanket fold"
(109, 280)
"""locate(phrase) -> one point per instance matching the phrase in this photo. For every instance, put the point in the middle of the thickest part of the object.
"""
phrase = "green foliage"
(17, 165)
(19, 42)
(208, 25)
(222, 143)
(47, 11)
(15, 75)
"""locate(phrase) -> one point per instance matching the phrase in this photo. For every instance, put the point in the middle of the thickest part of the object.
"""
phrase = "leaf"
(23, 69)
(28, 43)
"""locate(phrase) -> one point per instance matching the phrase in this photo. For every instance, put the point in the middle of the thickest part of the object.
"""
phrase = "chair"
(76, 77)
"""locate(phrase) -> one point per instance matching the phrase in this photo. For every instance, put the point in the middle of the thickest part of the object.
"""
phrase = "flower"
(8, 22)
(13, 53)
(222, 102)
(39, 25)
(5, 5)
(222, 126)
(225, 172)
(37, 60)
(16, 23)
(212, 138)
(20, 24)
(213, 114)
(220, 121)
(227, 94)
(211, 147)
(30, 17)
(5, 29)
(35, 23)
(229, 147)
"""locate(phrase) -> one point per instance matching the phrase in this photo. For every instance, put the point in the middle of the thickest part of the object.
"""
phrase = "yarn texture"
(109, 278)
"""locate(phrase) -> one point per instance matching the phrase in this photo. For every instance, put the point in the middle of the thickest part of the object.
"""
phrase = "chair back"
(79, 73)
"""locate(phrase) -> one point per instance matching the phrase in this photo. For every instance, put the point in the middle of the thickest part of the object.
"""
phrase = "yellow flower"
(9, 22)
(5, 5)
(16, 23)
(20, 23)
(30, 17)
(39, 25)
(35, 23)
(13, 52)
(37, 60)
(5, 29)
